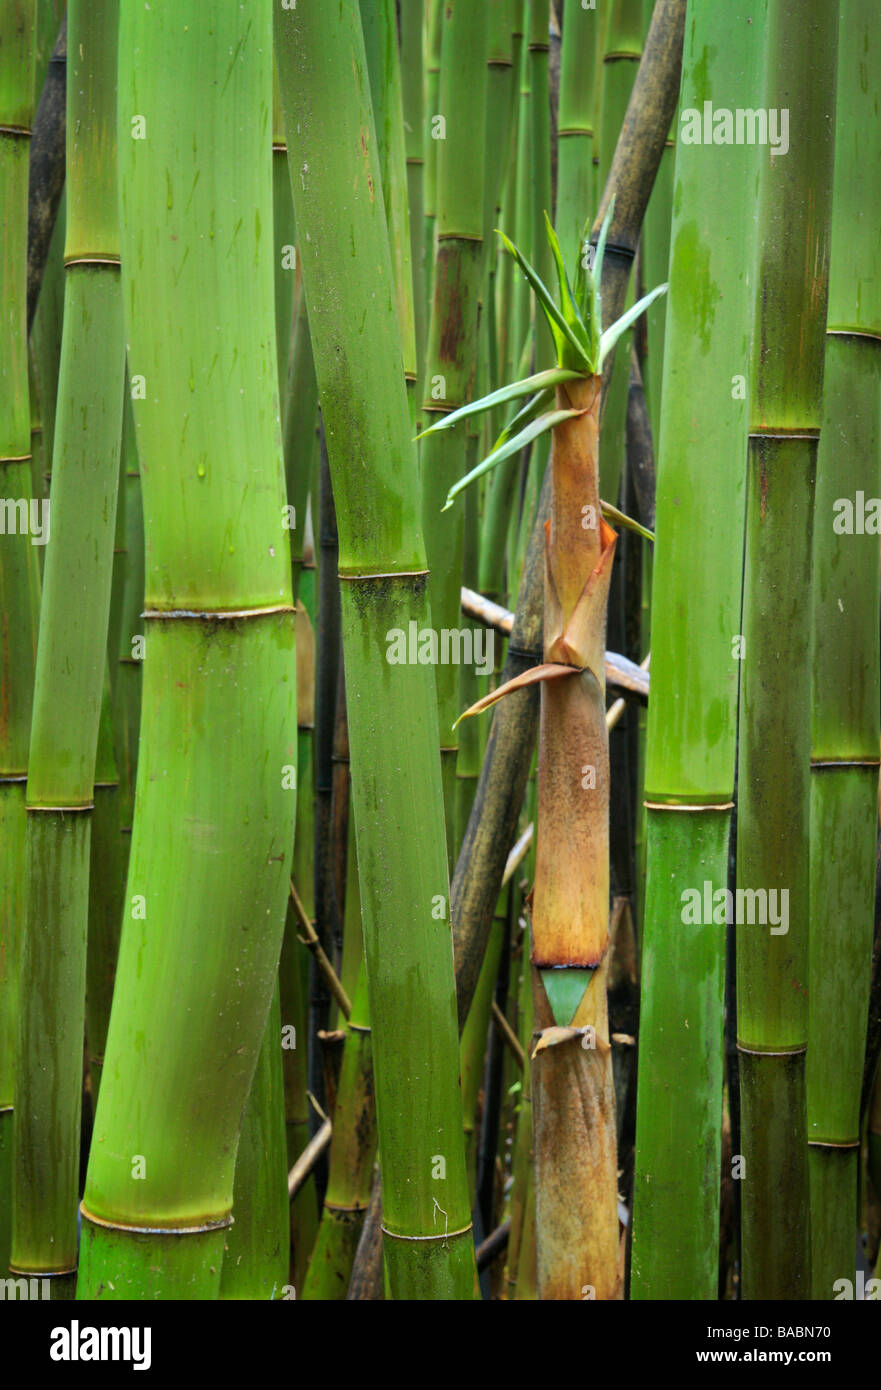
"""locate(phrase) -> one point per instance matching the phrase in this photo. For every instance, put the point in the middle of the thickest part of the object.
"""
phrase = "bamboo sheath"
(214, 808)
(690, 752)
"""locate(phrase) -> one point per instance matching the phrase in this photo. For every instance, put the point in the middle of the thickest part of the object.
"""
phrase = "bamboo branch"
(495, 1243)
(518, 853)
(509, 1035)
(312, 943)
(615, 711)
(308, 1158)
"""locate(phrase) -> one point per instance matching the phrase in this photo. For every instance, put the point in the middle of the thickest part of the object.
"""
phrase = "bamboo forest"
(440, 652)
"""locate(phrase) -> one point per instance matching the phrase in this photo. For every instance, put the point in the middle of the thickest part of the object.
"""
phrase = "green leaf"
(568, 305)
(513, 446)
(622, 519)
(611, 335)
(529, 411)
(542, 381)
(583, 278)
(570, 352)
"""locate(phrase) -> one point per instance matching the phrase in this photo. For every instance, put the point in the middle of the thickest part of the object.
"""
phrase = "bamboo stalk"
(19, 569)
(392, 708)
(575, 192)
(214, 814)
(379, 26)
(452, 336)
(71, 661)
(794, 203)
(845, 729)
(689, 779)
(255, 1252)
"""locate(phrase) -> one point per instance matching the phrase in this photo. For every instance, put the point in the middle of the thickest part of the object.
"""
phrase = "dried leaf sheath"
(573, 1091)
(573, 1137)
(574, 1098)
(574, 1129)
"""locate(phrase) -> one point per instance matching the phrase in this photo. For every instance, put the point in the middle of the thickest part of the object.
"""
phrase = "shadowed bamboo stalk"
(845, 721)
(294, 966)
(214, 811)
(794, 204)
(106, 885)
(71, 662)
(690, 758)
(255, 1253)
(19, 568)
(452, 335)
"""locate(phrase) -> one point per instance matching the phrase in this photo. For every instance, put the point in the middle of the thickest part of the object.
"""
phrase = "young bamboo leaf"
(566, 342)
(583, 278)
(621, 518)
(529, 411)
(567, 300)
(541, 382)
(611, 335)
(513, 446)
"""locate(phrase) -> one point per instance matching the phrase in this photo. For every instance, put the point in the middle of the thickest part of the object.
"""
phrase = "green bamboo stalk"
(452, 337)
(845, 729)
(623, 47)
(352, 1157)
(655, 253)
(412, 14)
(45, 333)
(471, 684)
(71, 658)
(258, 1245)
(502, 510)
(510, 288)
(379, 25)
(472, 1046)
(294, 963)
(19, 568)
(794, 204)
(106, 886)
(255, 1253)
(214, 816)
(322, 69)
(432, 64)
(538, 48)
(129, 654)
(690, 755)
(575, 191)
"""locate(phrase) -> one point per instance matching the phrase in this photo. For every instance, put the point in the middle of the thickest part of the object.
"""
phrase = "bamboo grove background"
(363, 367)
